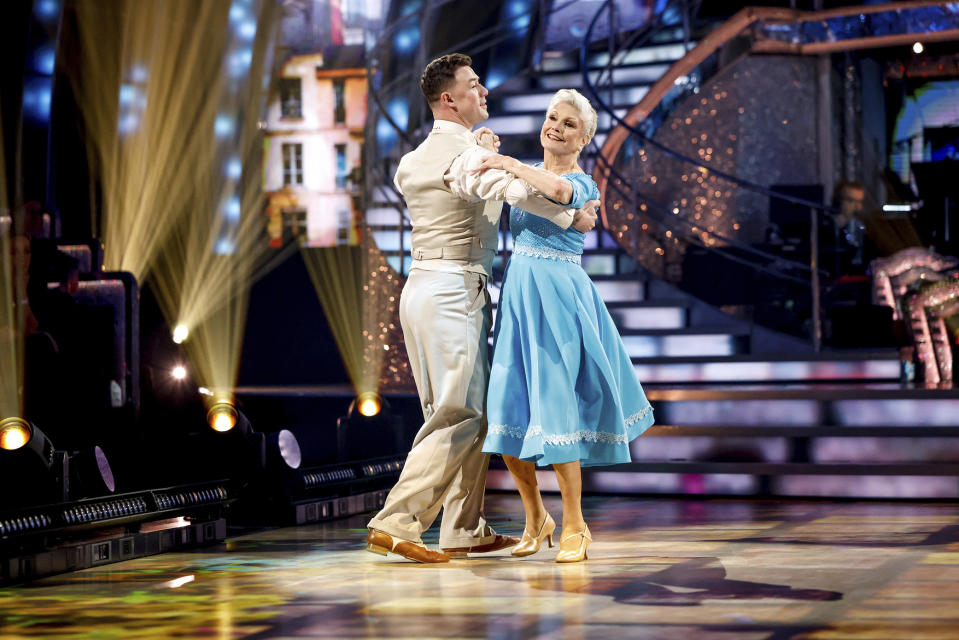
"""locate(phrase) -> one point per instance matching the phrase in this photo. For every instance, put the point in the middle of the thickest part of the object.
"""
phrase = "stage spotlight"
(222, 416)
(179, 372)
(917, 48)
(90, 474)
(29, 465)
(180, 333)
(368, 404)
(14, 433)
(368, 430)
(284, 448)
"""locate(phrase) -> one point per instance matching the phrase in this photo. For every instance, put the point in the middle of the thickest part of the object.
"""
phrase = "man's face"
(851, 201)
(469, 96)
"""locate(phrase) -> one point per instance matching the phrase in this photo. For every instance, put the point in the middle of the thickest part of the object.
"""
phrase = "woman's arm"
(554, 187)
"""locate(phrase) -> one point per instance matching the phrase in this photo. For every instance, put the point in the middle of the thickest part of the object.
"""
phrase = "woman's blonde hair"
(579, 101)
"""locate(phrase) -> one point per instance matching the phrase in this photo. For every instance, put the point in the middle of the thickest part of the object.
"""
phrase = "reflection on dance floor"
(659, 568)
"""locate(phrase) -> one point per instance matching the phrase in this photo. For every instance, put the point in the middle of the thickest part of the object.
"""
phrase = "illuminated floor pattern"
(658, 569)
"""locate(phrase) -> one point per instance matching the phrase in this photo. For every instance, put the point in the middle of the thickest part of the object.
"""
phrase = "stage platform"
(661, 569)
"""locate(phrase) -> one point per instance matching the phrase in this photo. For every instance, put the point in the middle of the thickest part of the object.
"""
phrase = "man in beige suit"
(445, 312)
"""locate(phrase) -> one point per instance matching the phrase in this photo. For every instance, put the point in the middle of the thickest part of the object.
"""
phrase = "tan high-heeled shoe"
(579, 553)
(530, 544)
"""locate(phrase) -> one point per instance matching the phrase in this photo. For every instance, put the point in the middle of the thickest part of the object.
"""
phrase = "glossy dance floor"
(659, 569)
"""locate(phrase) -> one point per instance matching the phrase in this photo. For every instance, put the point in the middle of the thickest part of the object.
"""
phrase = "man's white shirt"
(494, 184)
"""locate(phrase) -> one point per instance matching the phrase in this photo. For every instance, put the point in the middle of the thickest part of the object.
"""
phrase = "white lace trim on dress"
(550, 254)
(566, 439)
(639, 415)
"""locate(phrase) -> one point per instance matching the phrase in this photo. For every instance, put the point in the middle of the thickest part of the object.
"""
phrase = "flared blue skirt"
(562, 387)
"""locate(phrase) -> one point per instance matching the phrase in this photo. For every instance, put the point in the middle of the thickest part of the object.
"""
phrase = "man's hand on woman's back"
(585, 219)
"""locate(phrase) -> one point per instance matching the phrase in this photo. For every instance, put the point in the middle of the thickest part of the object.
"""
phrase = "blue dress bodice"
(540, 234)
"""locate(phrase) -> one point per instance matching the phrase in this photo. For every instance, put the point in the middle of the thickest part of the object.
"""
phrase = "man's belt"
(455, 252)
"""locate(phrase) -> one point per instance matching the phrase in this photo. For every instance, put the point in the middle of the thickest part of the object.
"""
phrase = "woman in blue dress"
(562, 390)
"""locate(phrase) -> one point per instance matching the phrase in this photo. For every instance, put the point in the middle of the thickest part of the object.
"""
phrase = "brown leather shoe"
(383, 543)
(500, 542)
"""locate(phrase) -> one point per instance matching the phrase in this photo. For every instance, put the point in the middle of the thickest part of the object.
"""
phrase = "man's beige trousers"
(446, 321)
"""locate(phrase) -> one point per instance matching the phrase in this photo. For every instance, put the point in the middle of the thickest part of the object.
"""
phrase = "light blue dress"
(562, 387)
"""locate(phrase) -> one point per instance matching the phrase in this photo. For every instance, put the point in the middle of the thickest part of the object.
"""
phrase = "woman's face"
(564, 131)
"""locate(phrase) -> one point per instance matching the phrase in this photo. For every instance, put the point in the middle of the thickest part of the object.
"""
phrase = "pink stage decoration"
(893, 276)
(927, 312)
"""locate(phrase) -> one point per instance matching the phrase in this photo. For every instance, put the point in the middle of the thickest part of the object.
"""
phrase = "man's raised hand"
(585, 219)
(486, 138)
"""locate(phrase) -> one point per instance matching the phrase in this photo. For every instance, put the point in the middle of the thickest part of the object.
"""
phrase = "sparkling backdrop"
(382, 299)
(756, 120)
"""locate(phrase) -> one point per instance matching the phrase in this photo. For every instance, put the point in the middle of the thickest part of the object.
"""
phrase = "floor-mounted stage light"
(90, 474)
(368, 404)
(368, 430)
(29, 465)
(38, 473)
(278, 450)
(222, 417)
(283, 450)
(14, 433)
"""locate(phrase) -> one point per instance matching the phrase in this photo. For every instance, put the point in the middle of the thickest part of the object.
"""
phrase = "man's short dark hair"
(438, 75)
(845, 185)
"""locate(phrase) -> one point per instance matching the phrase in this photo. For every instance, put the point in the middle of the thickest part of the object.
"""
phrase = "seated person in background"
(844, 244)
(850, 240)
(858, 234)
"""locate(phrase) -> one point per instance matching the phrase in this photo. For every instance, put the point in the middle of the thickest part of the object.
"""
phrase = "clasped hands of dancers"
(561, 389)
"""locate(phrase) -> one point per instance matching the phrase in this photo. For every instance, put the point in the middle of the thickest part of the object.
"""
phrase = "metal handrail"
(611, 171)
(751, 186)
(735, 26)
(662, 208)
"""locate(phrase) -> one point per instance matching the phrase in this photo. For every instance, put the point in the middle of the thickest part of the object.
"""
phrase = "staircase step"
(753, 369)
(384, 194)
(647, 315)
(536, 102)
(389, 240)
(860, 392)
(666, 52)
(695, 330)
(794, 468)
(383, 216)
(611, 290)
(657, 53)
(524, 127)
(776, 449)
(870, 405)
(683, 345)
(740, 479)
(637, 75)
(813, 431)
(598, 263)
